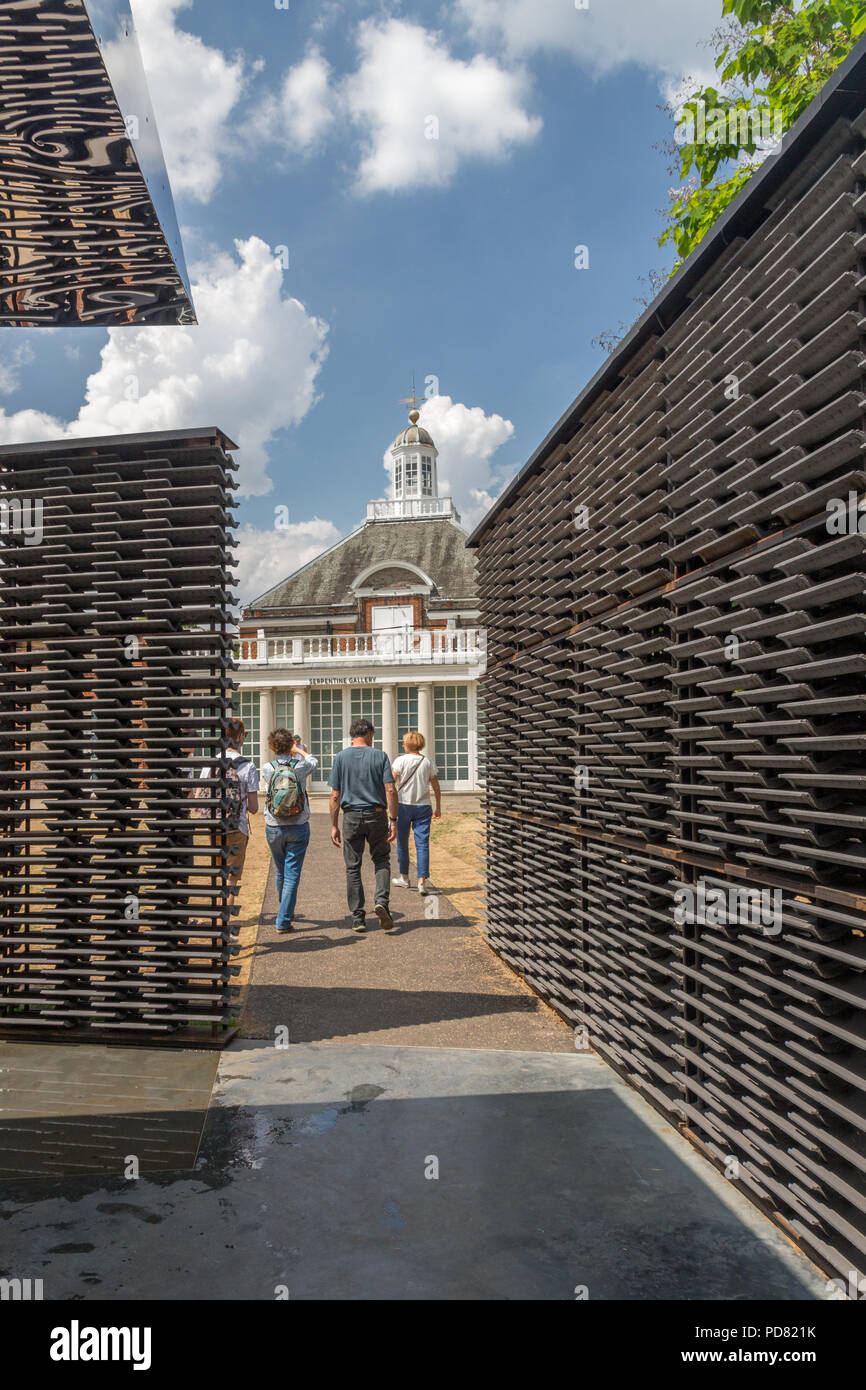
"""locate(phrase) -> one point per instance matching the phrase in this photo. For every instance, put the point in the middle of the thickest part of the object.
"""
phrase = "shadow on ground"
(406, 1173)
(330, 1012)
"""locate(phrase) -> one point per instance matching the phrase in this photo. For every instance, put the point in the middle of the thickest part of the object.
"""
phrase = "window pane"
(326, 729)
(284, 709)
(245, 706)
(451, 723)
(407, 711)
(367, 704)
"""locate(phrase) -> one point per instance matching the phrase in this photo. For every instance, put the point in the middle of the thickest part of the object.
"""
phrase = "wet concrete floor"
(333, 1172)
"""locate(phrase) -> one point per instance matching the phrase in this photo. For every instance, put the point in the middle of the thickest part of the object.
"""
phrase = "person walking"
(287, 817)
(236, 802)
(414, 776)
(362, 786)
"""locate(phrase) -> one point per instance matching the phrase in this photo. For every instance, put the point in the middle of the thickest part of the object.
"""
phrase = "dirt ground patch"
(457, 862)
(250, 897)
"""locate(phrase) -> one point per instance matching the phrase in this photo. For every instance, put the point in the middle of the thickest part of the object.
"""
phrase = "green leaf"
(785, 54)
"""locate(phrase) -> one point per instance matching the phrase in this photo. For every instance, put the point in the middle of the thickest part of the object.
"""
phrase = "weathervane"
(413, 401)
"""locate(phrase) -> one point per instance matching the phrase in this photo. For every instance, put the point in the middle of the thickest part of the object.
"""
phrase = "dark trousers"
(362, 828)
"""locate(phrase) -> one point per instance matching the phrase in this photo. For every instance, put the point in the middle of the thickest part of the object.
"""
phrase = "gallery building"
(384, 624)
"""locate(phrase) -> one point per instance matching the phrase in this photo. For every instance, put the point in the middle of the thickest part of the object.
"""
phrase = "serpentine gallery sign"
(345, 680)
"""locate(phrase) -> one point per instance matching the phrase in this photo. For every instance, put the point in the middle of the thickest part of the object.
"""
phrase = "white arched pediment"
(366, 580)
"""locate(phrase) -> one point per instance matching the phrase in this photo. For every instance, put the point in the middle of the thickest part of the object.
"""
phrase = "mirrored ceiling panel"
(88, 233)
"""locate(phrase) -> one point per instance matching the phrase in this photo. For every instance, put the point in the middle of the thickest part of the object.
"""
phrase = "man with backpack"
(239, 801)
(287, 817)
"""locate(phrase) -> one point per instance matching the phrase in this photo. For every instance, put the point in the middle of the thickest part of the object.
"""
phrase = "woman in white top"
(414, 777)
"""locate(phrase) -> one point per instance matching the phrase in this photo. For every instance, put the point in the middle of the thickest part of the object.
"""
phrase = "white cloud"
(29, 427)
(678, 90)
(414, 111)
(194, 89)
(303, 111)
(467, 439)
(11, 362)
(662, 36)
(407, 87)
(264, 557)
(327, 14)
(249, 367)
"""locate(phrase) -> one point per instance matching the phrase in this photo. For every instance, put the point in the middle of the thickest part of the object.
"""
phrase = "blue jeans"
(419, 818)
(288, 845)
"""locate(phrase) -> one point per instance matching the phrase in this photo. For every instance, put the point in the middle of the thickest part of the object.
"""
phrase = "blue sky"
(308, 129)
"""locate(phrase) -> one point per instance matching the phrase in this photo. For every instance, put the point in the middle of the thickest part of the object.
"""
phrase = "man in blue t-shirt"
(362, 786)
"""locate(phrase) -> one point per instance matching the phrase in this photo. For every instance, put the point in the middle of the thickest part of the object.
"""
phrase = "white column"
(425, 718)
(266, 722)
(389, 720)
(301, 714)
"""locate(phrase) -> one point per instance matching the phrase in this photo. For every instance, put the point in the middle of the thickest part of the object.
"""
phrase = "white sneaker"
(401, 882)
(423, 885)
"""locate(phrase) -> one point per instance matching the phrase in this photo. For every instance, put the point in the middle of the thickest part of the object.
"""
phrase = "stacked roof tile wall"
(676, 617)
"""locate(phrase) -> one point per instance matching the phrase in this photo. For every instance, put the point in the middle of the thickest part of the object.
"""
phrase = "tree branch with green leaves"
(773, 62)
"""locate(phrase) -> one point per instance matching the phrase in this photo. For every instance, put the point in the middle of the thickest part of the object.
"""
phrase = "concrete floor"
(409, 1055)
(311, 1181)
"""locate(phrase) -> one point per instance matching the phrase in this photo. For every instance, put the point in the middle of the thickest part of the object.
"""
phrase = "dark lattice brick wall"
(676, 632)
(114, 682)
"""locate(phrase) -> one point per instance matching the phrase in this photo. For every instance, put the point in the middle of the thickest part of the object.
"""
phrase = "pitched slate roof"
(436, 546)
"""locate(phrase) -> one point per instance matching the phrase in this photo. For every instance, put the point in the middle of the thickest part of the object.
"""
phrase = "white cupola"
(414, 469)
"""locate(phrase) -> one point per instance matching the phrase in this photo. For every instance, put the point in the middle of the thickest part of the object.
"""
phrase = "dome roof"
(413, 433)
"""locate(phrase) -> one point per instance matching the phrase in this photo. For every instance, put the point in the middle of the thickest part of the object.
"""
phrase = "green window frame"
(326, 728)
(284, 709)
(366, 703)
(451, 731)
(245, 706)
(407, 711)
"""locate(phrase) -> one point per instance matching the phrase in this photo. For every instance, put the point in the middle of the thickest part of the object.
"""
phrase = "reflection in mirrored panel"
(88, 233)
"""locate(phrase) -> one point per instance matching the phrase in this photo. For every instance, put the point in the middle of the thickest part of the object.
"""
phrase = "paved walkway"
(433, 983)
